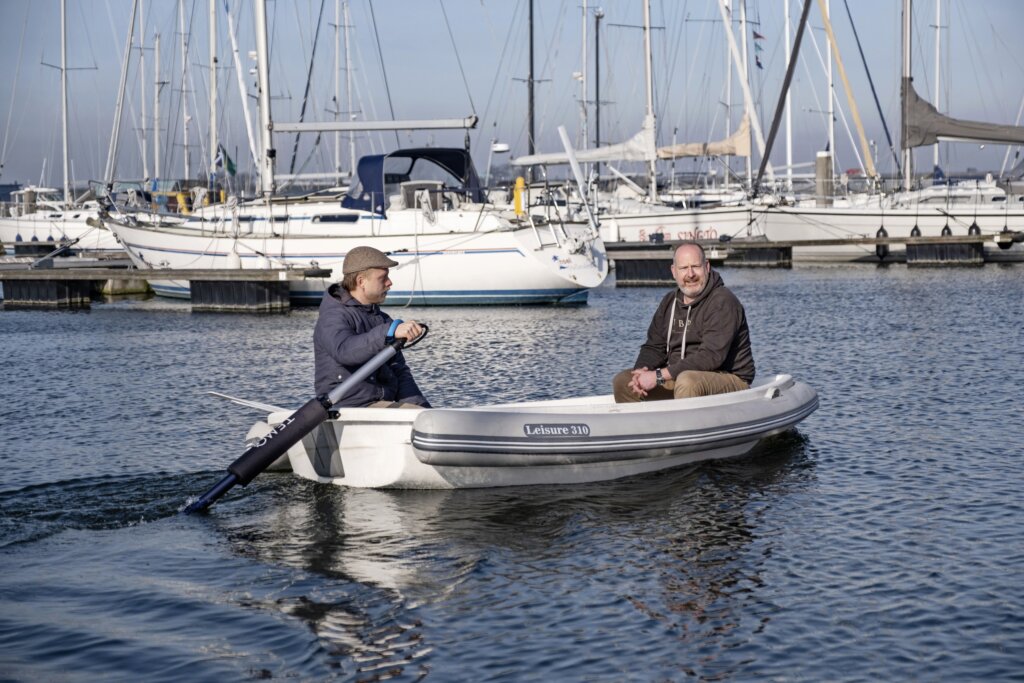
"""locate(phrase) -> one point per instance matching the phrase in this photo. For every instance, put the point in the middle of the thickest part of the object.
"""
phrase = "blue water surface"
(882, 540)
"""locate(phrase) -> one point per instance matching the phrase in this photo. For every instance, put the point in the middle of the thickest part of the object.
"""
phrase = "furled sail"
(640, 147)
(924, 125)
(737, 144)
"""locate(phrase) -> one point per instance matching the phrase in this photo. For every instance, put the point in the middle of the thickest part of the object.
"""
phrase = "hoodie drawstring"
(686, 327)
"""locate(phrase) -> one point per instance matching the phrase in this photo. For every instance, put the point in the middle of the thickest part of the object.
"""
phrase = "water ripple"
(881, 541)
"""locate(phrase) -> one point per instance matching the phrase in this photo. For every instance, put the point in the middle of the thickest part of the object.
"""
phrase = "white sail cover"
(924, 125)
(638, 148)
(737, 145)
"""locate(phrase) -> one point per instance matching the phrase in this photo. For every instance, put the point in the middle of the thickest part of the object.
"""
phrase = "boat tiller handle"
(276, 443)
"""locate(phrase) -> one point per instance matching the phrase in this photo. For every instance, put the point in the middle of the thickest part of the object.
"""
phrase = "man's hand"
(643, 380)
(408, 330)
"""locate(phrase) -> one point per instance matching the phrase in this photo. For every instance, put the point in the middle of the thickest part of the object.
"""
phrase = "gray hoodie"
(347, 335)
(715, 327)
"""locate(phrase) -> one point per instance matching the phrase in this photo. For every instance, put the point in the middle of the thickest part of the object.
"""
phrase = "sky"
(421, 59)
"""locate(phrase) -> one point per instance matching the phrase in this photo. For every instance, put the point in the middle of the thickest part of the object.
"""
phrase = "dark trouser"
(688, 384)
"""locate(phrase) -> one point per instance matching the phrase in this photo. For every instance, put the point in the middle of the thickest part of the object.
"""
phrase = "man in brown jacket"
(698, 342)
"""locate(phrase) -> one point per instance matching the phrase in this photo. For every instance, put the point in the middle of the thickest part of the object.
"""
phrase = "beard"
(692, 289)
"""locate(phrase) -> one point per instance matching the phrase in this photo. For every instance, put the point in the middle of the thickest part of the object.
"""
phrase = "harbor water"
(882, 540)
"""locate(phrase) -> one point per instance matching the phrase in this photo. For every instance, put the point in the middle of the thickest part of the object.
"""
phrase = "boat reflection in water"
(405, 563)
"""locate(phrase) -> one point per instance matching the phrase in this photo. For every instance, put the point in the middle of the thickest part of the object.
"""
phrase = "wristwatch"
(658, 379)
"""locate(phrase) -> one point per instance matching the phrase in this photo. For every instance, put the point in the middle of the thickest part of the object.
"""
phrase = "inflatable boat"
(564, 441)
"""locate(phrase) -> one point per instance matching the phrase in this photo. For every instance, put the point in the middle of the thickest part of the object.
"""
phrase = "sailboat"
(971, 207)
(636, 214)
(39, 218)
(424, 206)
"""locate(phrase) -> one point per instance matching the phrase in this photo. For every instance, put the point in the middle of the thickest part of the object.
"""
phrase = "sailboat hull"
(506, 266)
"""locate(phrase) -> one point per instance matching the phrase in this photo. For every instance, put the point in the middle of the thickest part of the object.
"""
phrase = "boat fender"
(881, 250)
(915, 231)
(975, 229)
(390, 336)
(1007, 242)
(946, 232)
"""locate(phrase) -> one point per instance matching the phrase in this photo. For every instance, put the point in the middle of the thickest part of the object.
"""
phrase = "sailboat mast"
(64, 97)
(267, 152)
(908, 156)
(652, 167)
(214, 142)
(240, 79)
(748, 98)
(348, 93)
(728, 90)
(938, 55)
(598, 16)
(142, 89)
(184, 83)
(530, 142)
(337, 87)
(831, 92)
(112, 151)
(584, 133)
(156, 105)
(746, 75)
(789, 109)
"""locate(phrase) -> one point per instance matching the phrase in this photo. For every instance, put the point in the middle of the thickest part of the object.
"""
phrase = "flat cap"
(361, 258)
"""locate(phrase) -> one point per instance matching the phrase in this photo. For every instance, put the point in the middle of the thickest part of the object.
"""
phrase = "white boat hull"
(786, 223)
(667, 225)
(551, 442)
(796, 223)
(506, 266)
(52, 228)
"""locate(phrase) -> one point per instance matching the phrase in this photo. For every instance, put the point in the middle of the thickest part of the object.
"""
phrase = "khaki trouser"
(688, 384)
(394, 404)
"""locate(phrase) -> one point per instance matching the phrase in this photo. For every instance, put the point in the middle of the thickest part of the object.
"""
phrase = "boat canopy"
(380, 176)
(924, 125)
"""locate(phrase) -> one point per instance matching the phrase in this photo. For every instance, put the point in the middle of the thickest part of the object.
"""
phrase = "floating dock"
(642, 264)
(247, 291)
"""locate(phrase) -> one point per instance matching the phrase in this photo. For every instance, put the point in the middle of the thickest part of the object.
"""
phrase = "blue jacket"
(347, 335)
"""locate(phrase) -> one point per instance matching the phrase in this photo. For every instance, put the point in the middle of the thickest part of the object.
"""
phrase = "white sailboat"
(425, 207)
(967, 207)
(452, 247)
(40, 219)
(39, 216)
(635, 214)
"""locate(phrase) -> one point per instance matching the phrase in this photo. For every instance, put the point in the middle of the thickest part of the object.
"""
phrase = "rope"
(384, 71)
(874, 93)
(309, 79)
(458, 59)
(14, 88)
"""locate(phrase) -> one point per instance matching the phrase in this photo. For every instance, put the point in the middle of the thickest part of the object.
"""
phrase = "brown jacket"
(715, 326)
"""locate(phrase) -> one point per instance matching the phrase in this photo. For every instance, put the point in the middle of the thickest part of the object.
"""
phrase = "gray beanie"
(361, 258)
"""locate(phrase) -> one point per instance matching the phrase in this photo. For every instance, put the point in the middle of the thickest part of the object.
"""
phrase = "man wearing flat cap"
(352, 329)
